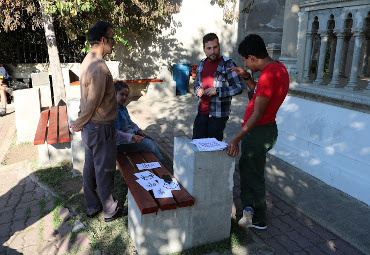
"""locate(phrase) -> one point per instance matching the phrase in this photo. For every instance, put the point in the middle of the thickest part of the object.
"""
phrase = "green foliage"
(76, 16)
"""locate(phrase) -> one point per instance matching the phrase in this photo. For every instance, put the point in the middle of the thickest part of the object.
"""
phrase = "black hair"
(209, 37)
(119, 85)
(97, 31)
(253, 45)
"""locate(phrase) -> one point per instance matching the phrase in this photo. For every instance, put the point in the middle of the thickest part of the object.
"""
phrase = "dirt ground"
(20, 152)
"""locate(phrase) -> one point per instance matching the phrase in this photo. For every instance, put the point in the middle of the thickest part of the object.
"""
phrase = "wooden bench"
(52, 136)
(143, 198)
(193, 71)
(53, 126)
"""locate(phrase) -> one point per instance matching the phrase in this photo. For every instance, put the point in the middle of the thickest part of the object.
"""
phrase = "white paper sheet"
(174, 185)
(150, 165)
(150, 184)
(209, 144)
(162, 192)
(147, 176)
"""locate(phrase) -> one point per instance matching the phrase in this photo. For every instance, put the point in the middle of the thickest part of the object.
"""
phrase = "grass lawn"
(113, 238)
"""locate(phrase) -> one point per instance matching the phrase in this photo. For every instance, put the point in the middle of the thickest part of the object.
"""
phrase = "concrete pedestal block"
(208, 177)
(27, 113)
(40, 79)
(167, 88)
(45, 96)
(53, 154)
(77, 145)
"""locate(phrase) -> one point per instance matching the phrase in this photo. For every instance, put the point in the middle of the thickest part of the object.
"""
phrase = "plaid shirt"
(125, 127)
(227, 84)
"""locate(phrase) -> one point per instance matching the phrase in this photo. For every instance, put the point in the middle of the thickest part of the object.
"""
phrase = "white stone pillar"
(307, 61)
(352, 85)
(320, 70)
(332, 56)
(337, 62)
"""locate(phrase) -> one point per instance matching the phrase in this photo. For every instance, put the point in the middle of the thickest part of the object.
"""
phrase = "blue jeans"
(209, 127)
(147, 144)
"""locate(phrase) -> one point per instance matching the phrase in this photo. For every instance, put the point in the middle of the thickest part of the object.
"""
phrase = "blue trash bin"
(181, 73)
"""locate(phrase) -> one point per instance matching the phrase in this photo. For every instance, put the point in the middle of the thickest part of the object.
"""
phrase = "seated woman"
(130, 138)
(3, 99)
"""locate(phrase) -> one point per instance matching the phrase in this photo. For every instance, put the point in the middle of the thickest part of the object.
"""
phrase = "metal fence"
(28, 45)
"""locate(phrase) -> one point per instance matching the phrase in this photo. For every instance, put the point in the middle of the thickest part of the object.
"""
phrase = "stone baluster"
(366, 59)
(337, 62)
(320, 70)
(332, 56)
(342, 66)
(306, 77)
(352, 85)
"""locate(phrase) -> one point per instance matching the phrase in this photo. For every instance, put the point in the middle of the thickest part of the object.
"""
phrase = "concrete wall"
(182, 42)
(328, 142)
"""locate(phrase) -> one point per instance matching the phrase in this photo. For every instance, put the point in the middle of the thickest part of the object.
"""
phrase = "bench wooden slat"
(143, 199)
(41, 128)
(167, 203)
(142, 80)
(53, 126)
(182, 197)
(63, 125)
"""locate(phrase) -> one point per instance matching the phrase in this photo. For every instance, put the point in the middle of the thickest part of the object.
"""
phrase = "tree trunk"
(56, 69)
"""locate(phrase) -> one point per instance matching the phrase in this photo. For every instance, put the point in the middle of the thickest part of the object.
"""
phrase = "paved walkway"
(26, 225)
(26, 217)
(289, 231)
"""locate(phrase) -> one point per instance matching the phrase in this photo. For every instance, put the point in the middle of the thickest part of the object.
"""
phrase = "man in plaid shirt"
(215, 85)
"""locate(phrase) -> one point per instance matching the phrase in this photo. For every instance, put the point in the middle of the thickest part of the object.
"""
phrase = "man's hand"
(210, 92)
(233, 148)
(141, 133)
(137, 138)
(200, 92)
(240, 72)
(74, 127)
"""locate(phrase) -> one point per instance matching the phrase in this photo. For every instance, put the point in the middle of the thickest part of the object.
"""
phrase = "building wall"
(328, 142)
(182, 42)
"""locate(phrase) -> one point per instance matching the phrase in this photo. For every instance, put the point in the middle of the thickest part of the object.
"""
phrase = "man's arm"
(259, 108)
(234, 88)
(198, 90)
(240, 72)
(94, 97)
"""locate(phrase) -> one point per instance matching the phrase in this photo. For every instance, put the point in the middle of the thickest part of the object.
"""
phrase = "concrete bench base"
(52, 154)
(208, 177)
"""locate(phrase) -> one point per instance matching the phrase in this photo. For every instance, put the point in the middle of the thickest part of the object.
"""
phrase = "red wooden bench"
(53, 126)
(193, 71)
(145, 199)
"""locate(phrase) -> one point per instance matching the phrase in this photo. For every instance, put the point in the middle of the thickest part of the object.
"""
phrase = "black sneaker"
(116, 216)
(3, 113)
(259, 225)
(95, 213)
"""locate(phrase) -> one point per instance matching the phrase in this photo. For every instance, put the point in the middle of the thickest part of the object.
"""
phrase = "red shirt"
(273, 84)
(208, 76)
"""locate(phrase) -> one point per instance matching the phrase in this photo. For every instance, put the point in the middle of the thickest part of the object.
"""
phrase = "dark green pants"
(254, 147)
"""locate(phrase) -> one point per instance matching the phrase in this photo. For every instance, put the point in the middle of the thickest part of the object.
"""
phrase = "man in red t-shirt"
(259, 131)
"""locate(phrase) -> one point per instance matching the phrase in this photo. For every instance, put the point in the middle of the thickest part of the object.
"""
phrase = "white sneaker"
(246, 220)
